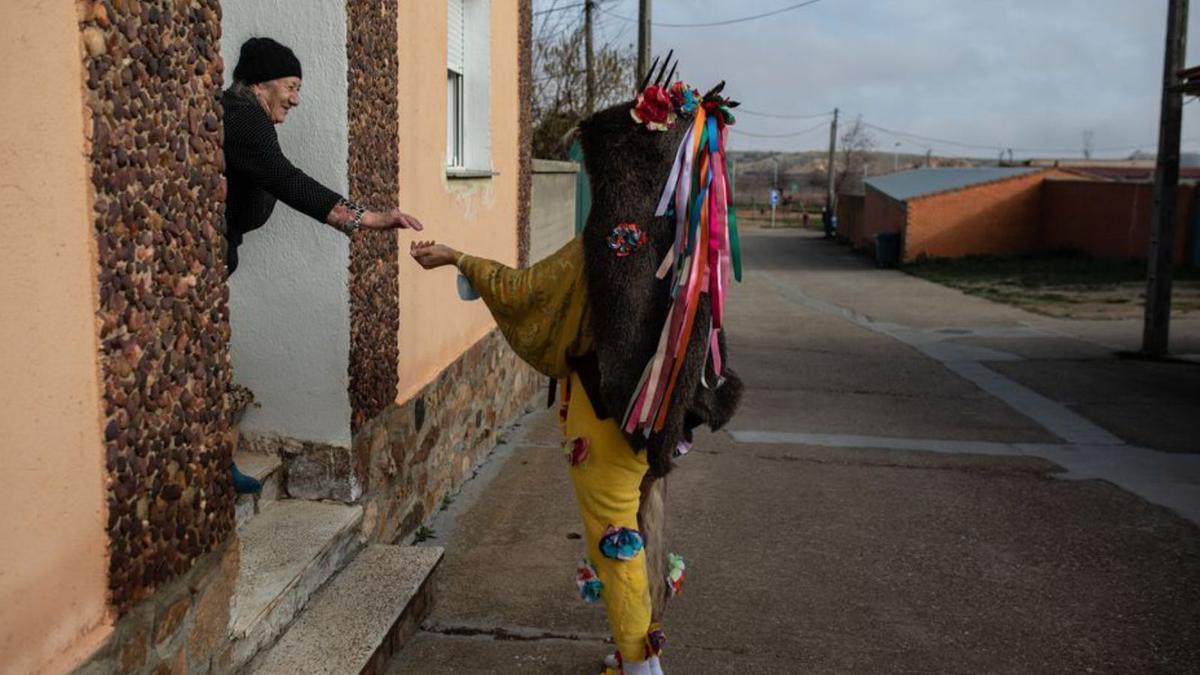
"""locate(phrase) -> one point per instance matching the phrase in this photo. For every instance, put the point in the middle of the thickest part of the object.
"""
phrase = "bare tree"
(560, 83)
(856, 143)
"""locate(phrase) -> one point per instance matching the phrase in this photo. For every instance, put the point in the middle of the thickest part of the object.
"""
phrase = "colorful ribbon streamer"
(705, 254)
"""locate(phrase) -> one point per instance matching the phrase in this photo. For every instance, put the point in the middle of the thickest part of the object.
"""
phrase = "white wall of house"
(289, 300)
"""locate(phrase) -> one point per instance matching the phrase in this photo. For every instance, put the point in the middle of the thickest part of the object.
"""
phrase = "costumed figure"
(627, 319)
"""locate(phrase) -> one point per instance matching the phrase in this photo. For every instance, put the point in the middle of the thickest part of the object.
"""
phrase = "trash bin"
(887, 249)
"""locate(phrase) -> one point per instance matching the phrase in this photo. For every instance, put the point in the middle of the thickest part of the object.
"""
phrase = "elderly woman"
(266, 86)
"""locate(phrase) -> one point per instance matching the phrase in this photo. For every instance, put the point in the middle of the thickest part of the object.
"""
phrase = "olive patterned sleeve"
(252, 149)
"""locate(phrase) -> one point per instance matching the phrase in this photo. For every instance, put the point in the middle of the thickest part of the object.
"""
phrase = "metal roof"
(907, 185)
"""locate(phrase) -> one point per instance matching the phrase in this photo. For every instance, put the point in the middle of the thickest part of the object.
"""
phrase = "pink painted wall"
(53, 585)
(476, 215)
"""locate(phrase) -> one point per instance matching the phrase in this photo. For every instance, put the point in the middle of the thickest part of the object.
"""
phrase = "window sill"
(469, 174)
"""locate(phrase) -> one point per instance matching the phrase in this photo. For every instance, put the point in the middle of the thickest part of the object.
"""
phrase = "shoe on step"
(243, 484)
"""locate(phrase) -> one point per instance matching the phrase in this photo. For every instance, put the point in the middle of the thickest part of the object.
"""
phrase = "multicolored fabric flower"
(656, 639)
(675, 568)
(620, 543)
(576, 450)
(719, 107)
(625, 239)
(685, 98)
(590, 587)
(654, 109)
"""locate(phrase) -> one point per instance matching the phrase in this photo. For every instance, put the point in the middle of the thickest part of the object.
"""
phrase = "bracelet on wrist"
(354, 223)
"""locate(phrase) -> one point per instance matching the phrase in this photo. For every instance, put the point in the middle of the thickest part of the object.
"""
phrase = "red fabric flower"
(576, 450)
(654, 109)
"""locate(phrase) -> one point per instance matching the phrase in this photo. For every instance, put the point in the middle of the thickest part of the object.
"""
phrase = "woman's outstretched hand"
(430, 254)
(391, 220)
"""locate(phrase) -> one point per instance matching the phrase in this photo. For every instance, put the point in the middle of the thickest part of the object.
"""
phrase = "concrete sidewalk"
(890, 499)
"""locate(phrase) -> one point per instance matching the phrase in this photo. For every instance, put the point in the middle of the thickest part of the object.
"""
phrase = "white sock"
(655, 665)
(638, 668)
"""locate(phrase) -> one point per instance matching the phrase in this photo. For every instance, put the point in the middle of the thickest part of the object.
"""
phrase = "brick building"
(951, 212)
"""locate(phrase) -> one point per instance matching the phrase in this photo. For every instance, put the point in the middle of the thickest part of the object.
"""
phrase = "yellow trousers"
(607, 486)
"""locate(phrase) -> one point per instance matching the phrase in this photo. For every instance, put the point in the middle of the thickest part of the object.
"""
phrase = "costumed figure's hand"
(430, 254)
(391, 220)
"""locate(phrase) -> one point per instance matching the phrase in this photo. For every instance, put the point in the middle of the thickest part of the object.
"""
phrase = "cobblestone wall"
(525, 135)
(374, 182)
(153, 75)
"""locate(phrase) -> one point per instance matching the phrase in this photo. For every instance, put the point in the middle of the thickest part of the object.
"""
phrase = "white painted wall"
(289, 301)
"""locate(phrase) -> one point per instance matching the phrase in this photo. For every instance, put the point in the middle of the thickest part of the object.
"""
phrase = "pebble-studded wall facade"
(525, 134)
(153, 75)
(372, 38)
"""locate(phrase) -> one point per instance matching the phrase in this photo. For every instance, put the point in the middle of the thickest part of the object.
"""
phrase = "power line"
(904, 135)
(725, 22)
(743, 111)
(558, 9)
(819, 125)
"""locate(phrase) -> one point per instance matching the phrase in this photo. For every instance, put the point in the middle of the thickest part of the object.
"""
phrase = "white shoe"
(610, 661)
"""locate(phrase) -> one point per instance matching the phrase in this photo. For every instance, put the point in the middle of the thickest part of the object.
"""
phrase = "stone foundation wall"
(153, 76)
(418, 452)
(184, 628)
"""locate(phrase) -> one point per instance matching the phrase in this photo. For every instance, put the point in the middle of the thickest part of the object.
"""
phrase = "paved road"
(919, 481)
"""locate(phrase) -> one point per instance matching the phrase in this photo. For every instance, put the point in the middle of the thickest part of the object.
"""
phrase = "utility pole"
(1156, 329)
(587, 41)
(643, 60)
(829, 196)
(928, 157)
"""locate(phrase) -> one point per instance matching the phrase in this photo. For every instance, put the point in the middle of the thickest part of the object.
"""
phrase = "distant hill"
(803, 175)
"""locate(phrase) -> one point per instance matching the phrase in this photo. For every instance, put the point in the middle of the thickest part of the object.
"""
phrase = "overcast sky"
(1027, 74)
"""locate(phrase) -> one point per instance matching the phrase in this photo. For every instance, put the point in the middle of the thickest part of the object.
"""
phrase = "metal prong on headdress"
(646, 77)
(715, 90)
(671, 75)
(663, 69)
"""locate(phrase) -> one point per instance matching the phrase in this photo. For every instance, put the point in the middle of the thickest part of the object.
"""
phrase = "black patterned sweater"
(258, 174)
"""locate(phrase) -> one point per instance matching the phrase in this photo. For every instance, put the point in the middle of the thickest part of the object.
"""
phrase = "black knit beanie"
(264, 59)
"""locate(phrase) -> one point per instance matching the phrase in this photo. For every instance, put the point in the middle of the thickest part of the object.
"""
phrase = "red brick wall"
(850, 217)
(1107, 219)
(880, 214)
(998, 218)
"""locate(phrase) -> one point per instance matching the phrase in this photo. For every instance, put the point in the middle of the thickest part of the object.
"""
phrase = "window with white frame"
(468, 87)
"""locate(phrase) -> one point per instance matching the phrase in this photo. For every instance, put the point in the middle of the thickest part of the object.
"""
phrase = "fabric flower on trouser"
(620, 543)
(654, 109)
(656, 639)
(576, 450)
(675, 568)
(589, 584)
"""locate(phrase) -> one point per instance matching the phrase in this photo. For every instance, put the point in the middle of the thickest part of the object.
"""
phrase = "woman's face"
(278, 97)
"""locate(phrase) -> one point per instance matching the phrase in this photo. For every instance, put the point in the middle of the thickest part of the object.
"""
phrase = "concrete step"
(268, 469)
(287, 552)
(361, 618)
